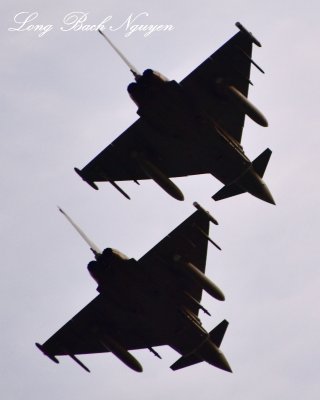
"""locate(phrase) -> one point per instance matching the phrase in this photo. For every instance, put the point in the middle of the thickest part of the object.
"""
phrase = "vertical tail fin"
(261, 162)
(217, 334)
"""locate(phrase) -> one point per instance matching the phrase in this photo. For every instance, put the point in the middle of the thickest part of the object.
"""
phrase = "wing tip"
(248, 34)
(51, 356)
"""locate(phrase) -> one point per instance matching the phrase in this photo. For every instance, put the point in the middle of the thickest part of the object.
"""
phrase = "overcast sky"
(64, 99)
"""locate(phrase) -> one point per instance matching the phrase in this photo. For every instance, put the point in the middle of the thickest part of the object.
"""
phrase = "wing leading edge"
(190, 242)
(81, 335)
(230, 65)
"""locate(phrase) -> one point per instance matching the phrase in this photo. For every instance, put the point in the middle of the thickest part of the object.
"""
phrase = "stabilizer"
(228, 191)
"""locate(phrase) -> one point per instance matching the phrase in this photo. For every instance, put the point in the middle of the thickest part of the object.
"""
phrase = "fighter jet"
(188, 128)
(151, 302)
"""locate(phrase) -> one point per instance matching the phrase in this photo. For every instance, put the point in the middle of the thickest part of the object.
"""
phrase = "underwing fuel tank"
(159, 177)
(120, 352)
(242, 101)
(199, 277)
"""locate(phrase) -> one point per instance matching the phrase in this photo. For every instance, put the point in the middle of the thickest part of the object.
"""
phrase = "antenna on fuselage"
(95, 249)
(135, 72)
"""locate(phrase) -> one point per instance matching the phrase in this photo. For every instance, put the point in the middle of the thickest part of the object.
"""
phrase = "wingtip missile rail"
(55, 360)
(51, 356)
(205, 213)
(249, 34)
(92, 184)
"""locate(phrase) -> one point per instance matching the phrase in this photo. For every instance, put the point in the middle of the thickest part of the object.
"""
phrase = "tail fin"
(216, 336)
(261, 162)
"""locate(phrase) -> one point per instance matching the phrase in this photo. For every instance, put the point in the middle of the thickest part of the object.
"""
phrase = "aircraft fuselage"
(170, 111)
(160, 306)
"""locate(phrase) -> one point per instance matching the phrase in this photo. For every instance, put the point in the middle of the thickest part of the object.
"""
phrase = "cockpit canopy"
(109, 259)
(150, 72)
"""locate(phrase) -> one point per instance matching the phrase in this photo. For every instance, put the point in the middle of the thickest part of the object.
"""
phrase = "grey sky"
(64, 99)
